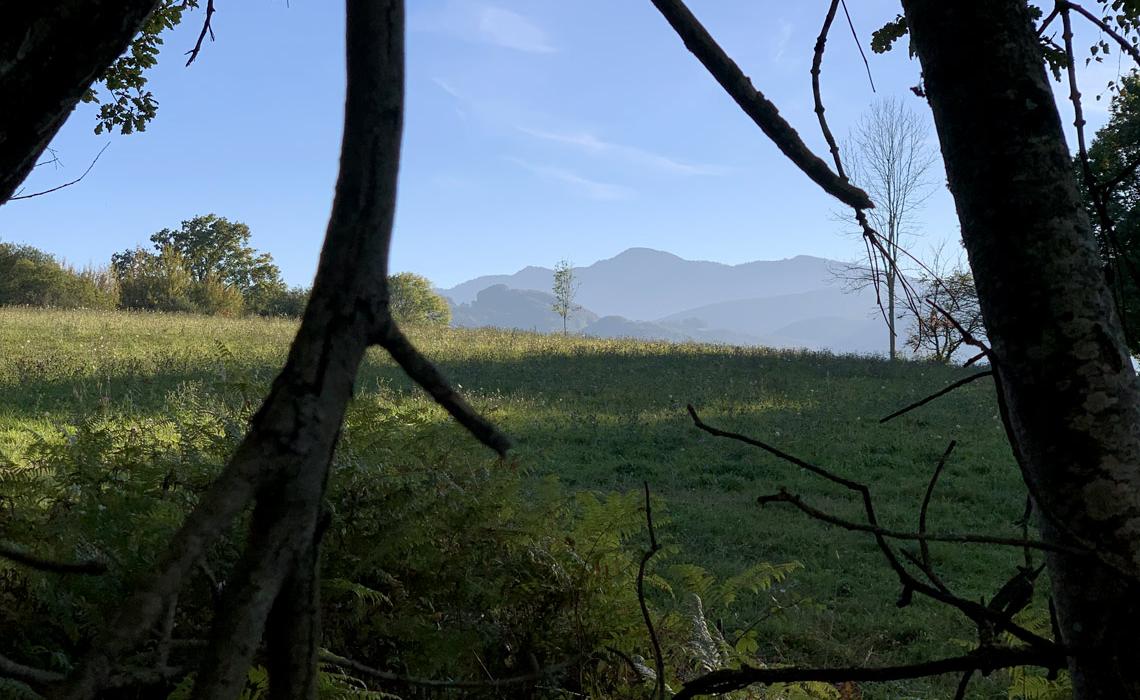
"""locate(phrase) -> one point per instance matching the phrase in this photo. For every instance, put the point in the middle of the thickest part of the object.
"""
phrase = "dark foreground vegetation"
(444, 563)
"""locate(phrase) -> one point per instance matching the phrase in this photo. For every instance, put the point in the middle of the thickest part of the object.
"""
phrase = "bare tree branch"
(755, 104)
(786, 497)
(941, 392)
(21, 556)
(859, 45)
(923, 545)
(57, 188)
(983, 660)
(1124, 44)
(654, 547)
(980, 614)
(207, 28)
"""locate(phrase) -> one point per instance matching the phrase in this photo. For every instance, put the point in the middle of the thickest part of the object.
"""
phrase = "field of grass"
(607, 415)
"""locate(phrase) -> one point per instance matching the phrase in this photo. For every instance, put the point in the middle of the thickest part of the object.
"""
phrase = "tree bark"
(1068, 394)
(283, 461)
(50, 54)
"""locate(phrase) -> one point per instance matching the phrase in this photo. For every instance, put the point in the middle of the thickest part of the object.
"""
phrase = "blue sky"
(535, 130)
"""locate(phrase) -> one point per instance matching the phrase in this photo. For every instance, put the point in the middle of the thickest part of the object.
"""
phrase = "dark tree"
(53, 52)
(1113, 158)
(1068, 394)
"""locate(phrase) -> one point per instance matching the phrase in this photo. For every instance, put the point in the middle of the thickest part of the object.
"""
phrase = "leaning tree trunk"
(270, 606)
(50, 54)
(1069, 396)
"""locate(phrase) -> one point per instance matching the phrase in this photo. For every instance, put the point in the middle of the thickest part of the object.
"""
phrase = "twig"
(855, 36)
(980, 356)
(1121, 176)
(923, 545)
(816, 68)
(654, 547)
(755, 104)
(1104, 27)
(1048, 20)
(910, 585)
(941, 392)
(967, 336)
(344, 662)
(786, 497)
(984, 660)
(57, 188)
(18, 555)
(207, 28)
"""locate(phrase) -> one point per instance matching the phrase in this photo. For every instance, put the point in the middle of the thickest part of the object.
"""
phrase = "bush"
(413, 300)
(163, 282)
(280, 301)
(31, 277)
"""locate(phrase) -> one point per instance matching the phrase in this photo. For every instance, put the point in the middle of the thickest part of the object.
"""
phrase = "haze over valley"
(650, 294)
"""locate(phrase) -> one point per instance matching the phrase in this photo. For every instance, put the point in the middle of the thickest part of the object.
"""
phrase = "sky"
(535, 131)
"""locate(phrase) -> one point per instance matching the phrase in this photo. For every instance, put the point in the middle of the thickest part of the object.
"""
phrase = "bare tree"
(888, 156)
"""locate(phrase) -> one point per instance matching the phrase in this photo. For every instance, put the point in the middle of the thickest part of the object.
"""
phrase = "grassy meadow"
(607, 415)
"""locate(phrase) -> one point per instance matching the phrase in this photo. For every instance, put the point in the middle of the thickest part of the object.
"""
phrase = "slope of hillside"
(650, 294)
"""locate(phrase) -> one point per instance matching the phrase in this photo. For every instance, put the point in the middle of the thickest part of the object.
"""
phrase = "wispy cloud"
(513, 31)
(593, 145)
(486, 23)
(455, 94)
(783, 36)
(593, 189)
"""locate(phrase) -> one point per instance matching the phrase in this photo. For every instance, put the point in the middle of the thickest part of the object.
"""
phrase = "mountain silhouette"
(652, 294)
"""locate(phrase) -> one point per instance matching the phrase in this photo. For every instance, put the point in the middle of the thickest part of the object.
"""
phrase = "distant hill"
(645, 284)
(650, 294)
(524, 309)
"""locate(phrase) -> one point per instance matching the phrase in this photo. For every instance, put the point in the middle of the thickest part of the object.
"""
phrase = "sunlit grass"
(610, 414)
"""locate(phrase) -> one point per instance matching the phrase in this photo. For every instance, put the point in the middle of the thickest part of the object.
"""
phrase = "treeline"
(205, 266)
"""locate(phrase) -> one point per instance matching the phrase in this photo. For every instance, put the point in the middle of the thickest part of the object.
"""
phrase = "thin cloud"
(593, 189)
(454, 94)
(593, 145)
(487, 24)
(783, 37)
(513, 31)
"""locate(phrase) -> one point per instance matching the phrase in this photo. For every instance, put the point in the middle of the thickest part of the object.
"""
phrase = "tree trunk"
(892, 273)
(1068, 394)
(50, 54)
(283, 461)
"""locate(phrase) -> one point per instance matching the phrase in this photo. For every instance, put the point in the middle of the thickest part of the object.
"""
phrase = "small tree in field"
(565, 288)
(890, 159)
(413, 300)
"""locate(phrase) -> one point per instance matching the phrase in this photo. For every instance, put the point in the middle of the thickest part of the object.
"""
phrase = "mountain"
(650, 294)
(524, 309)
(644, 284)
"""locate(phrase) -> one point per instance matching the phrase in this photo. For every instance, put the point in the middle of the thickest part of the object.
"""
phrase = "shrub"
(163, 282)
(413, 300)
(31, 277)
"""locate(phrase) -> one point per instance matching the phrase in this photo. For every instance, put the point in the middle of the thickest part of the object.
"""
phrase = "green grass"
(608, 415)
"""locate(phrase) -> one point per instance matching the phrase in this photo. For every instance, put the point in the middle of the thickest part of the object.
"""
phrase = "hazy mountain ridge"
(650, 294)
